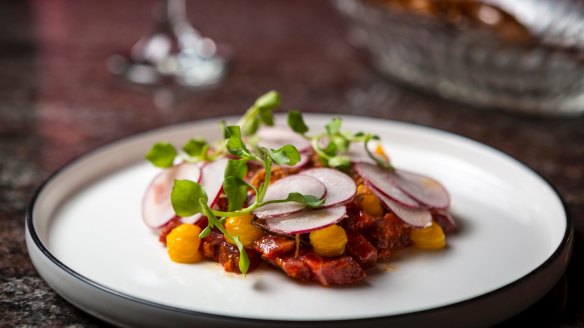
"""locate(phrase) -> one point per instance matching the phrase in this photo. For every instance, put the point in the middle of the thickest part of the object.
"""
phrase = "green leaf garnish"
(251, 126)
(266, 116)
(285, 155)
(341, 143)
(260, 112)
(296, 122)
(236, 191)
(234, 186)
(234, 143)
(186, 196)
(330, 149)
(268, 101)
(243, 258)
(196, 148)
(334, 126)
(340, 162)
(308, 200)
(161, 154)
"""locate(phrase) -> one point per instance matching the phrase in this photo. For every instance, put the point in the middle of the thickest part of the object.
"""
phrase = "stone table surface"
(57, 101)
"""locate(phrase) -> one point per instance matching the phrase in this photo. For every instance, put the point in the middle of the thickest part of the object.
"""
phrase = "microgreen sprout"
(332, 146)
(164, 154)
(260, 112)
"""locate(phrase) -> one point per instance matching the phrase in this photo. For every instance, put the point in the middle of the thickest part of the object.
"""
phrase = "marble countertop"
(57, 101)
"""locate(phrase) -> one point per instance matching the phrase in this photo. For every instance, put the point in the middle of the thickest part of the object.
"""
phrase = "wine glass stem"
(175, 11)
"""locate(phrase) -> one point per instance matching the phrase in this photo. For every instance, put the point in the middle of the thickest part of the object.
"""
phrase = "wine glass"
(174, 52)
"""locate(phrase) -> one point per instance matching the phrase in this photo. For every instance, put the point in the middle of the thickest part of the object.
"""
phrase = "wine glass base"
(186, 68)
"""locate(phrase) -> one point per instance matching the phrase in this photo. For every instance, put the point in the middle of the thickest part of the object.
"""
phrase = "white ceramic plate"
(86, 238)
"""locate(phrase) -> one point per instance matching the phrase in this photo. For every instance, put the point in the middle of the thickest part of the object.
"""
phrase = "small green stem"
(267, 177)
(314, 141)
(218, 223)
(251, 112)
(379, 162)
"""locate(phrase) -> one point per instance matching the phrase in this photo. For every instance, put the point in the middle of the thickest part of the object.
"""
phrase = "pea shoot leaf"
(161, 154)
(296, 122)
(234, 143)
(196, 148)
(285, 155)
(185, 197)
(330, 149)
(266, 116)
(334, 126)
(308, 200)
(250, 126)
(341, 162)
(341, 143)
(233, 185)
(268, 101)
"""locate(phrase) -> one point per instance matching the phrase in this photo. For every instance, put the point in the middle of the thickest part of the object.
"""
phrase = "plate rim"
(566, 243)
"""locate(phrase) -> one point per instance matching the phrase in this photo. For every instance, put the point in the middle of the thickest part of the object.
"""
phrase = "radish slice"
(306, 221)
(280, 135)
(340, 188)
(444, 220)
(423, 189)
(280, 189)
(212, 177)
(156, 206)
(384, 181)
(418, 217)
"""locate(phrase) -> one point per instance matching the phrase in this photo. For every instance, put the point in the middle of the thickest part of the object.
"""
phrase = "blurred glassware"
(523, 55)
(174, 52)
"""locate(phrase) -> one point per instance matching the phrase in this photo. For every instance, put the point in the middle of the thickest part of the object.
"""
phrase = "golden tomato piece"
(431, 237)
(241, 226)
(329, 241)
(183, 244)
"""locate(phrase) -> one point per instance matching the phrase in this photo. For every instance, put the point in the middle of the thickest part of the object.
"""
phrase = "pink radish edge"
(213, 186)
(280, 189)
(306, 221)
(340, 187)
(280, 135)
(417, 217)
(383, 181)
(156, 207)
(423, 189)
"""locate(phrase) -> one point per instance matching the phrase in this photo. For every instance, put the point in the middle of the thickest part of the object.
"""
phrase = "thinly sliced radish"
(340, 188)
(280, 135)
(384, 181)
(212, 176)
(156, 206)
(418, 217)
(280, 189)
(306, 220)
(423, 189)
(444, 220)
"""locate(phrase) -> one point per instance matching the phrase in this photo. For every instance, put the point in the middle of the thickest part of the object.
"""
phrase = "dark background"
(57, 101)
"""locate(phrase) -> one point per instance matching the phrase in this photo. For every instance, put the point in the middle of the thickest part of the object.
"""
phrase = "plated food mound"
(322, 207)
